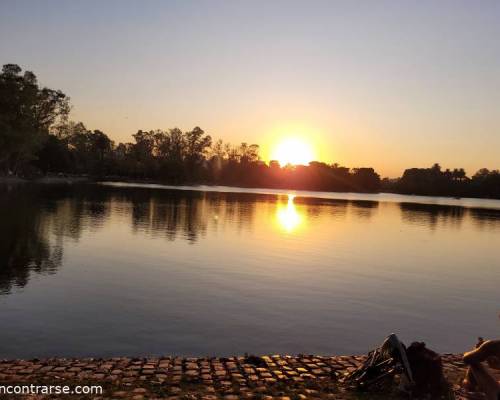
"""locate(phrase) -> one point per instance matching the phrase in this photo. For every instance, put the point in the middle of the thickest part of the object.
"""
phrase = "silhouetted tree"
(197, 144)
(27, 112)
(36, 135)
(435, 182)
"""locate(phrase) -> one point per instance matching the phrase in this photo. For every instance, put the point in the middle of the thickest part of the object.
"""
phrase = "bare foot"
(468, 385)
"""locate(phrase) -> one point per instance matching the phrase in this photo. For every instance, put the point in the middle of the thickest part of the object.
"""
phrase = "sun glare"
(293, 151)
(287, 215)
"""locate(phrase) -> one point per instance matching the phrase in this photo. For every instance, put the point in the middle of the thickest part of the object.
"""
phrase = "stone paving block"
(281, 377)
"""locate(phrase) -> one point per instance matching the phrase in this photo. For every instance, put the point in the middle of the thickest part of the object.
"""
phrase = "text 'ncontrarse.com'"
(49, 389)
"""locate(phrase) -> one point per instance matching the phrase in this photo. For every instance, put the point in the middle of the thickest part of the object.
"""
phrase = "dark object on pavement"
(378, 371)
(419, 369)
(255, 360)
(427, 371)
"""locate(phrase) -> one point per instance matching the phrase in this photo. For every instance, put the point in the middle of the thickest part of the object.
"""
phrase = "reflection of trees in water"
(363, 208)
(188, 214)
(231, 208)
(25, 246)
(314, 207)
(34, 222)
(77, 211)
(486, 219)
(431, 215)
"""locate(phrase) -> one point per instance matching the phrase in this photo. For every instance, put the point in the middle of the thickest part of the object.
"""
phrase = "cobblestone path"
(270, 377)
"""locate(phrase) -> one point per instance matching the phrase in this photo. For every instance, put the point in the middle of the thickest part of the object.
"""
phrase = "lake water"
(105, 270)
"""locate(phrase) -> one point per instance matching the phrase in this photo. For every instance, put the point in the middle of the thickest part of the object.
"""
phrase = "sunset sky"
(388, 84)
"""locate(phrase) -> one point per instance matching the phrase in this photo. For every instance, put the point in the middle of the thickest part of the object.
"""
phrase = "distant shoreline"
(467, 202)
(47, 179)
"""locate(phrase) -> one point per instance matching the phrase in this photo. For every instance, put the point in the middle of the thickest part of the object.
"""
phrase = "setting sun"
(293, 151)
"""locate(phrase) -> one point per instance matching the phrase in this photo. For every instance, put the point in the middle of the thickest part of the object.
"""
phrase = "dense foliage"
(436, 182)
(36, 138)
(178, 157)
(27, 112)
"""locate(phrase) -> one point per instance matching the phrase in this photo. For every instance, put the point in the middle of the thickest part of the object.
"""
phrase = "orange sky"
(384, 84)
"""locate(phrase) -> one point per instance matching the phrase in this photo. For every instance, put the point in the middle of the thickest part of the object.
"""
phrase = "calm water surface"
(102, 270)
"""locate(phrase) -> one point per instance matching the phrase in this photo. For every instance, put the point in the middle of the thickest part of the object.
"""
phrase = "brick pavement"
(269, 377)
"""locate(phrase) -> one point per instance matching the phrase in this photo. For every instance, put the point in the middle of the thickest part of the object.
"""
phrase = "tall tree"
(197, 143)
(27, 113)
(197, 146)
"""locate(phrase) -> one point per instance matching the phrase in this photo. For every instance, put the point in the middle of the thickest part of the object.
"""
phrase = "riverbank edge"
(75, 179)
(206, 378)
(47, 180)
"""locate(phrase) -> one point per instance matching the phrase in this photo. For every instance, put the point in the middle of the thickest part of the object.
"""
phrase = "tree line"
(37, 137)
(435, 181)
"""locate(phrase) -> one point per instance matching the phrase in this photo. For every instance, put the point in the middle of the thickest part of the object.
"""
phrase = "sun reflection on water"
(287, 216)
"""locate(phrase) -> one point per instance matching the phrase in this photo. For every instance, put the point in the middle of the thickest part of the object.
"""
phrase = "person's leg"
(485, 381)
(469, 382)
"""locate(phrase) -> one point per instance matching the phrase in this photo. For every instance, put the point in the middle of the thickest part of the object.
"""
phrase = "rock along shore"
(270, 377)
